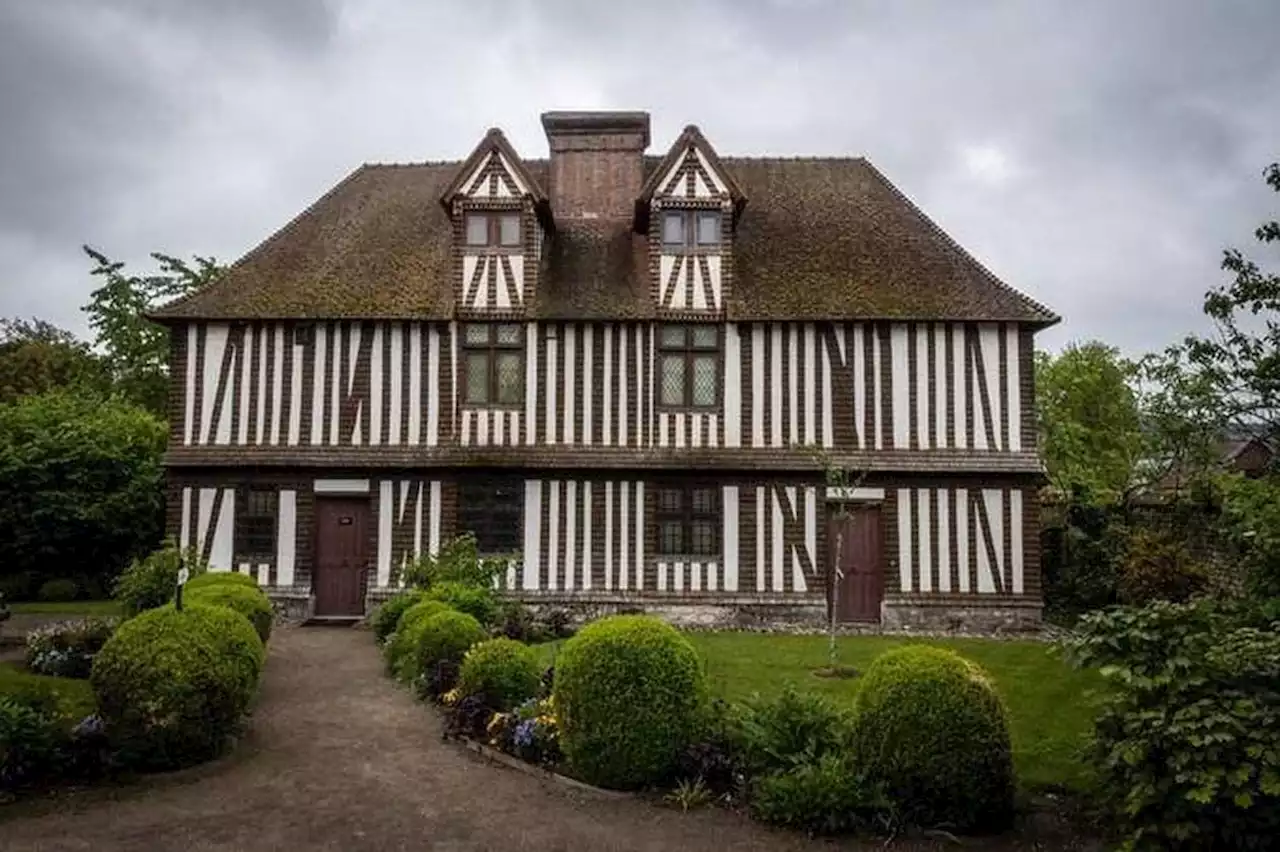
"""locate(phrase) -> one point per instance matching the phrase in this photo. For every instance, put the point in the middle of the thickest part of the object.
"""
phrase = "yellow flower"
(450, 698)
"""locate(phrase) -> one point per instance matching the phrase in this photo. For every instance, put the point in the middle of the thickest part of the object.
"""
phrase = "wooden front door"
(342, 543)
(859, 556)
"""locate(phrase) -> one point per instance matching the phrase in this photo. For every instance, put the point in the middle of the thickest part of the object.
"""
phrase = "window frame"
(245, 545)
(491, 349)
(493, 232)
(690, 353)
(689, 243)
(687, 516)
(482, 499)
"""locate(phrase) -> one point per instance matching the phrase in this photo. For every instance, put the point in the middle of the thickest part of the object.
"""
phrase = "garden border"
(537, 771)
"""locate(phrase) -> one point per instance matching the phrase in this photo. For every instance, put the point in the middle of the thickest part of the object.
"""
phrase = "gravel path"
(338, 758)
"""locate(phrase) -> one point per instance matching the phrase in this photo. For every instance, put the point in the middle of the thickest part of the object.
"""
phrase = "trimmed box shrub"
(930, 726)
(252, 603)
(151, 582)
(386, 618)
(399, 650)
(629, 695)
(476, 601)
(173, 685)
(221, 578)
(504, 671)
(443, 638)
(58, 590)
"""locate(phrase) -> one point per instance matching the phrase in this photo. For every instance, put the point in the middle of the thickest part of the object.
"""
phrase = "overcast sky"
(1096, 154)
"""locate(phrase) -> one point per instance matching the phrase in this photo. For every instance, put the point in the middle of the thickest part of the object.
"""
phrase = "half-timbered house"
(632, 372)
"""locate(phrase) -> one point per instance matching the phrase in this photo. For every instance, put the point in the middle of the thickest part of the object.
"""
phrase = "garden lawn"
(1050, 707)
(69, 608)
(76, 696)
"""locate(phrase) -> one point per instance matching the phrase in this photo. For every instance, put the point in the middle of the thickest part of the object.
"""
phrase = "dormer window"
(493, 230)
(684, 229)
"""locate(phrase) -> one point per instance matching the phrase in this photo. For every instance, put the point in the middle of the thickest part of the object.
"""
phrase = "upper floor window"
(256, 524)
(688, 521)
(689, 357)
(491, 510)
(690, 228)
(493, 361)
(492, 230)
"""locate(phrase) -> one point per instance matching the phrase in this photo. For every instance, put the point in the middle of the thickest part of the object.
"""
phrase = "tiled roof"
(818, 238)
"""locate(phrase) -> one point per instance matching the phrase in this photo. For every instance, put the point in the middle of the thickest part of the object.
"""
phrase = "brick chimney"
(597, 163)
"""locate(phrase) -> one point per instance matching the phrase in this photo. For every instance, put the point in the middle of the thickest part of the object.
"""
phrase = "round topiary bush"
(252, 603)
(173, 685)
(504, 671)
(399, 649)
(59, 590)
(476, 601)
(442, 638)
(386, 618)
(931, 727)
(221, 578)
(629, 694)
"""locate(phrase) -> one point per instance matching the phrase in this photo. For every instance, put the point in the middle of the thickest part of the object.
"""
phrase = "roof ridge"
(257, 249)
(937, 230)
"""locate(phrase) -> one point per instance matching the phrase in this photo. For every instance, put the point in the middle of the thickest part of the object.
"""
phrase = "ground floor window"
(689, 520)
(491, 510)
(256, 525)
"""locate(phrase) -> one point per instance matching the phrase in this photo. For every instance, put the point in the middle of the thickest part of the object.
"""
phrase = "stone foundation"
(952, 615)
(724, 612)
(291, 603)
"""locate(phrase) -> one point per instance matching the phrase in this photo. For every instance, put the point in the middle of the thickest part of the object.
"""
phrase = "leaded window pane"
(477, 333)
(673, 335)
(510, 227)
(704, 337)
(673, 228)
(708, 229)
(477, 229)
(491, 510)
(704, 501)
(704, 380)
(673, 380)
(669, 500)
(477, 377)
(671, 537)
(703, 535)
(508, 334)
(510, 377)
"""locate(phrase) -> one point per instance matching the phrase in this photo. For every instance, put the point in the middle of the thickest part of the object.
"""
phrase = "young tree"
(135, 349)
(37, 356)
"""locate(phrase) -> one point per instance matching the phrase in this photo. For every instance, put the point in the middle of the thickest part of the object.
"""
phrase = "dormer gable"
(500, 217)
(689, 207)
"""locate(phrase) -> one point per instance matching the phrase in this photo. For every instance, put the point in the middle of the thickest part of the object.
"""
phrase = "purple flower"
(523, 735)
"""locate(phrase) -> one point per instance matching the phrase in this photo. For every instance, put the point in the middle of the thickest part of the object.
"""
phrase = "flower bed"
(67, 648)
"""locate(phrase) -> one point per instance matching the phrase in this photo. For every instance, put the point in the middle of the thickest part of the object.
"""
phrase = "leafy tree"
(135, 349)
(36, 356)
(1243, 357)
(80, 485)
(1090, 426)
(1183, 420)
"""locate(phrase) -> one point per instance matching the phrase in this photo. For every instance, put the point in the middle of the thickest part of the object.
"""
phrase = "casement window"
(689, 358)
(491, 510)
(493, 364)
(685, 229)
(492, 230)
(689, 520)
(256, 524)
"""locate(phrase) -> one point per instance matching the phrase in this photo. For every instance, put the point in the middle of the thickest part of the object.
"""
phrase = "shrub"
(504, 671)
(629, 697)
(221, 578)
(149, 583)
(459, 561)
(252, 603)
(440, 639)
(791, 730)
(399, 649)
(386, 618)
(67, 648)
(172, 685)
(1187, 743)
(825, 796)
(32, 739)
(58, 590)
(478, 602)
(930, 727)
(16, 586)
(1157, 567)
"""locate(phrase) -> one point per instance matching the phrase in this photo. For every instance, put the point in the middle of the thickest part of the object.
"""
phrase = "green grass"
(66, 608)
(76, 696)
(1050, 711)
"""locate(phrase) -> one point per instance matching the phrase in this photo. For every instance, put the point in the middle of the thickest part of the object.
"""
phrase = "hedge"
(441, 638)
(629, 694)
(502, 670)
(221, 578)
(930, 726)
(399, 650)
(252, 603)
(386, 618)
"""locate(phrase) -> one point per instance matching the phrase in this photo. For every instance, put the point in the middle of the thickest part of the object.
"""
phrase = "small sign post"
(184, 574)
